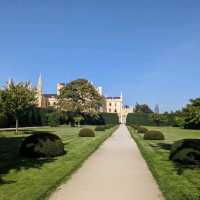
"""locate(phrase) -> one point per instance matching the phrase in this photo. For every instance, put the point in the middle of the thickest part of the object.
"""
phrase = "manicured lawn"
(26, 179)
(176, 182)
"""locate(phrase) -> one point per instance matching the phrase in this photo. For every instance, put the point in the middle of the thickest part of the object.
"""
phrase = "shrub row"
(49, 116)
(149, 134)
(150, 119)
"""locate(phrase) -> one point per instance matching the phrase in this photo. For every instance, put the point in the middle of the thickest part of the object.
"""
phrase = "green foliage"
(42, 145)
(186, 151)
(86, 132)
(179, 122)
(78, 118)
(110, 118)
(143, 108)
(53, 119)
(150, 119)
(3, 120)
(154, 135)
(100, 128)
(191, 114)
(141, 129)
(139, 119)
(17, 99)
(80, 96)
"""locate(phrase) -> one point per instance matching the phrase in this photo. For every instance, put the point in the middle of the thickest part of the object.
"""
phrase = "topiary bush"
(42, 144)
(186, 151)
(86, 132)
(141, 129)
(100, 128)
(154, 135)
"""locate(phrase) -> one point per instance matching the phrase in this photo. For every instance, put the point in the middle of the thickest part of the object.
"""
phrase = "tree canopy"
(80, 96)
(16, 99)
(143, 108)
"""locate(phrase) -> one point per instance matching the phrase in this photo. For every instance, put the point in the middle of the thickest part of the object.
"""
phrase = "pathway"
(116, 171)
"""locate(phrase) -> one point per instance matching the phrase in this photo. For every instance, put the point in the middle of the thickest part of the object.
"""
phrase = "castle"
(113, 104)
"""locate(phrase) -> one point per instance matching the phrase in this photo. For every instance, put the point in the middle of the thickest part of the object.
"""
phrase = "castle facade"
(112, 105)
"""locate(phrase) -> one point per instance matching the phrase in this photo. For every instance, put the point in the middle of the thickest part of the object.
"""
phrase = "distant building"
(112, 105)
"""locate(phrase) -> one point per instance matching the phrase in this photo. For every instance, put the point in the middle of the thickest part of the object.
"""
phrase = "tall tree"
(80, 96)
(143, 108)
(16, 100)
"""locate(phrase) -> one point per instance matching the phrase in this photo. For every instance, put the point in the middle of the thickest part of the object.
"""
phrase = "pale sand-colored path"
(116, 171)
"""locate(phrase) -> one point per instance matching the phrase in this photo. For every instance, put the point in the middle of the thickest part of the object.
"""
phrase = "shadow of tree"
(11, 159)
(164, 146)
(180, 167)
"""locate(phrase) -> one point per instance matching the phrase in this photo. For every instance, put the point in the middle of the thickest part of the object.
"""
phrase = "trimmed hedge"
(100, 128)
(42, 144)
(154, 135)
(148, 119)
(186, 151)
(86, 132)
(141, 129)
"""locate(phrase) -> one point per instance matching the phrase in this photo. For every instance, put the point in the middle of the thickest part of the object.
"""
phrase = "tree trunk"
(17, 125)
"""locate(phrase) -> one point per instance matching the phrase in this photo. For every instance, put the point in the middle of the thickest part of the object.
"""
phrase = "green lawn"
(26, 179)
(176, 182)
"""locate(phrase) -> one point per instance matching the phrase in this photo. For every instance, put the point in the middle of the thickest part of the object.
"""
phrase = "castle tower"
(60, 86)
(39, 90)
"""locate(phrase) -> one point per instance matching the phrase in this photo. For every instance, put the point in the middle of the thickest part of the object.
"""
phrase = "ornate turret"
(39, 91)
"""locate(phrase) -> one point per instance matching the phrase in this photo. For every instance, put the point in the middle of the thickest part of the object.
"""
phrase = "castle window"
(115, 110)
(110, 104)
(109, 110)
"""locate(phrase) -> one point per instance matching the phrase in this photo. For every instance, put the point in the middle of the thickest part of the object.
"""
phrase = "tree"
(78, 118)
(16, 100)
(80, 96)
(191, 114)
(143, 108)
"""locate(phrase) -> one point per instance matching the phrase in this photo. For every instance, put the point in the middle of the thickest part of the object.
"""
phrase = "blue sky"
(149, 49)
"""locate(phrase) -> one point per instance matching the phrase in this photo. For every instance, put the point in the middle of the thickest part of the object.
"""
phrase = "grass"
(26, 179)
(177, 182)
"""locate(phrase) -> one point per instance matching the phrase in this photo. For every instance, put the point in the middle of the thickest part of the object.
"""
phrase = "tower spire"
(39, 84)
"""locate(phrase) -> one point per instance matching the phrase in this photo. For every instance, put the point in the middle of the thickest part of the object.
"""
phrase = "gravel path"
(116, 171)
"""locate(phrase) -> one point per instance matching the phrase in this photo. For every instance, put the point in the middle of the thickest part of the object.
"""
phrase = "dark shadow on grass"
(180, 168)
(164, 146)
(10, 158)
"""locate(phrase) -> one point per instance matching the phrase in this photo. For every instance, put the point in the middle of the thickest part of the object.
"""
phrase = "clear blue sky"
(149, 49)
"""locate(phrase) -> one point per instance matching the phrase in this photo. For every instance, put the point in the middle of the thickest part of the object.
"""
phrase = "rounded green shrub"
(86, 132)
(100, 128)
(186, 151)
(42, 144)
(154, 135)
(141, 129)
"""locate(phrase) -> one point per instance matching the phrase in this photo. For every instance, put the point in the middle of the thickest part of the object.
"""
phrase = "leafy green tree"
(143, 108)
(16, 100)
(191, 114)
(78, 118)
(80, 96)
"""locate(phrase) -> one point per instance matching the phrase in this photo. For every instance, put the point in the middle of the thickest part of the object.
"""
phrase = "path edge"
(151, 168)
(65, 178)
